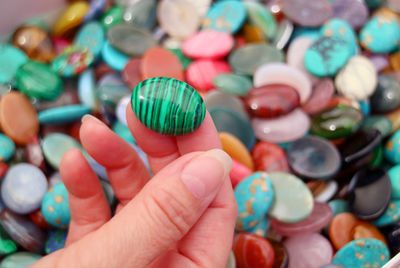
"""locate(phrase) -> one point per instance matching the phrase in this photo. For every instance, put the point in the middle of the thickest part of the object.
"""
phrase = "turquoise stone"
(394, 175)
(168, 106)
(123, 131)
(261, 17)
(312, 33)
(327, 55)
(37, 80)
(19, 260)
(378, 122)
(55, 207)
(339, 206)
(7, 148)
(113, 57)
(63, 114)
(91, 37)
(233, 84)
(339, 27)
(365, 252)
(11, 58)
(392, 148)
(254, 196)
(87, 89)
(391, 215)
(55, 240)
(381, 34)
(261, 228)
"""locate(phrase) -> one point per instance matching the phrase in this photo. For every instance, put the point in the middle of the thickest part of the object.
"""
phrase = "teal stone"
(115, 59)
(234, 84)
(327, 55)
(225, 16)
(373, 4)
(7, 245)
(365, 107)
(312, 33)
(87, 89)
(55, 145)
(341, 28)
(7, 148)
(394, 175)
(381, 34)
(111, 89)
(123, 131)
(55, 240)
(254, 196)
(72, 61)
(55, 206)
(339, 206)
(168, 106)
(11, 58)
(392, 148)
(63, 114)
(142, 14)
(378, 122)
(365, 252)
(261, 228)
(20, 260)
(391, 215)
(91, 37)
(37, 80)
(258, 15)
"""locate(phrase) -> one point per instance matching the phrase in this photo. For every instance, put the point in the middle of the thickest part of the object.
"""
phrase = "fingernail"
(205, 173)
(91, 117)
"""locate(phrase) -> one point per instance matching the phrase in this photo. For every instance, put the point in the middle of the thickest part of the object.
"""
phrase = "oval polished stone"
(130, 40)
(160, 62)
(23, 231)
(391, 215)
(260, 228)
(71, 17)
(318, 219)
(365, 229)
(20, 259)
(340, 229)
(321, 95)
(353, 11)
(132, 73)
(11, 58)
(219, 98)
(236, 149)
(340, 28)
(72, 61)
(35, 42)
(369, 193)
(114, 58)
(110, 90)
(113, 16)
(378, 122)
(272, 100)
(293, 200)
(63, 114)
(233, 84)
(176, 108)
(201, 73)
(142, 14)
(283, 34)
(306, 13)
(387, 95)
(285, 128)
(260, 16)
(269, 157)
(18, 117)
(23, 188)
(308, 251)
(7, 148)
(38, 80)
(91, 36)
(87, 89)
(55, 206)
(392, 148)
(336, 122)
(252, 250)
(313, 158)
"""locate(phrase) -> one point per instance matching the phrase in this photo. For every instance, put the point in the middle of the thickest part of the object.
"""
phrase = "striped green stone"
(168, 106)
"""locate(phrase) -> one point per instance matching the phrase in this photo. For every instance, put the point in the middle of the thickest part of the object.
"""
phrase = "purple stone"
(355, 12)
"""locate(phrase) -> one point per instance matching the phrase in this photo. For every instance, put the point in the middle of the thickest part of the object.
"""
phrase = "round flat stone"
(130, 40)
(18, 118)
(252, 251)
(353, 11)
(280, 73)
(369, 193)
(391, 215)
(63, 114)
(91, 37)
(308, 251)
(387, 95)
(233, 84)
(365, 229)
(269, 157)
(55, 207)
(313, 158)
(11, 58)
(132, 73)
(236, 149)
(362, 253)
(285, 128)
(201, 73)
(23, 188)
(175, 107)
(260, 16)
(114, 58)
(219, 98)
(306, 13)
(293, 200)
(72, 61)
(7, 148)
(378, 122)
(392, 148)
(55, 240)
(20, 259)
(340, 229)
(247, 59)
(321, 95)
(208, 44)
(160, 62)
(394, 175)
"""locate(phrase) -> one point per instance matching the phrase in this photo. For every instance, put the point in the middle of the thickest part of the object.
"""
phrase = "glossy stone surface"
(7, 148)
(120, 109)
(236, 149)
(177, 108)
(272, 100)
(321, 94)
(254, 196)
(281, 259)
(365, 229)
(114, 58)
(160, 62)
(353, 11)
(326, 192)
(55, 240)
(112, 16)
(269, 157)
(391, 215)
(20, 259)
(336, 122)
(369, 193)
(201, 73)
(91, 36)
(87, 89)
(340, 229)
(233, 84)
(361, 253)
(7, 245)
(72, 61)
(340, 28)
(392, 148)
(314, 158)
(308, 250)
(387, 95)
(55, 207)
(260, 16)
(131, 72)
(110, 90)
(378, 122)
(71, 17)
(11, 58)
(394, 175)
(293, 200)
(142, 14)
(23, 231)
(218, 98)
(305, 13)
(238, 172)
(252, 251)
(63, 114)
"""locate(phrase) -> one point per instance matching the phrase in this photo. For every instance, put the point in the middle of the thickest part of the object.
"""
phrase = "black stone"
(392, 234)
(386, 97)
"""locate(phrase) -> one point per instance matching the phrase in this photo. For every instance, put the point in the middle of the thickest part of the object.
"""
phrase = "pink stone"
(200, 74)
(321, 96)
(60, 44)
(319, 218)
(310, 250)
(238, 172)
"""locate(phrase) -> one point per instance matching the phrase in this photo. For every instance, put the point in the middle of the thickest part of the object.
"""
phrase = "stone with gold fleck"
(392, 148)
(55, 206)
(339, 27)
(391, 215)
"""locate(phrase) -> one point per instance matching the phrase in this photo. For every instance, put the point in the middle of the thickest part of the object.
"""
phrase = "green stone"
(378, 122)
(113, 16)
(336, 122)
(168, 106)
(7, 245)
(377, 157)
(38, 80)
(394, 175)
(182, 58)
(261, 17)
(20, 260)
(233, 84)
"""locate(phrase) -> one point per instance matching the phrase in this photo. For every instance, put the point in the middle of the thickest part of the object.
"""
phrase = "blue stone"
(7, 148)
(392, 148)
(55, 207)
(113, 57)
(120, 110)
(391, 215)
(63, 114)
(87, 89)
(55, 240)
(312, 33)
(339, 27)
(96, 8)
(339, 206)
(91, 36)
(365, 107)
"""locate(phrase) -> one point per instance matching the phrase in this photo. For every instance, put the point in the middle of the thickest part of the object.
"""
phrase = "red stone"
(200, 74)
(321, 96)
(272, 100)
(269, 157)
(34, 154)
(38, 219)
(252, 251)
(3, 169)
(131, 73)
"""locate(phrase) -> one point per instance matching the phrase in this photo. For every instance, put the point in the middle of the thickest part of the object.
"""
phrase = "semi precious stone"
(55, 207)
(321, 95)
(168, 106)
(394, 175)
(378, 122)
(71, 18)
(7, 148)
(72, 61)
(160, 62)
(387, 95)
(252, 251)
(55, 240)
(91, 36)
(365, 229)
(219, 98)
(236, 149)
(10, 60)
(20, 259)
(201, 73)
(353, 11)
(391, 215)
(306, 13)
(340, 28)
(392, 148)
(340, 229)
(260, 16)
(132, 73)
(63, 114)
(233, 84)
(269, 157)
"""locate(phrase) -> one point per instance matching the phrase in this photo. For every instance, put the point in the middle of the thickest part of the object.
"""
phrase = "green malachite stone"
(168, 106)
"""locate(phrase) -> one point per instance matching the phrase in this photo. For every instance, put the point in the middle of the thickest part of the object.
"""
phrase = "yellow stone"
(236, 149)
(71, 18)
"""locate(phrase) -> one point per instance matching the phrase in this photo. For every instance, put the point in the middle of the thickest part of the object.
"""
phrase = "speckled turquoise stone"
(261, 228)
(260, 16)
(339, 206)
(233, 84)
(11, 58)
(392, 148)
(381, 34)
(254, 196)
(391, 215)
(7, 148)
(168, 106)
(339, 27)
(63, 114)
(19, 260)
(394, 175)
(55, 240)
(365, 252)
(91, 37)
(55, 207)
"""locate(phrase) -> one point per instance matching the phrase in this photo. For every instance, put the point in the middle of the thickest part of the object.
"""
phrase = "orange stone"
(341, 229)
(253, 34)
(395, 61)
(236, 149)
(158, 61)
(18, 117)
(364, 229)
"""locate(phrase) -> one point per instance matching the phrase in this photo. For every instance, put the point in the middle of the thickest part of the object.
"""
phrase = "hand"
(183, 217)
